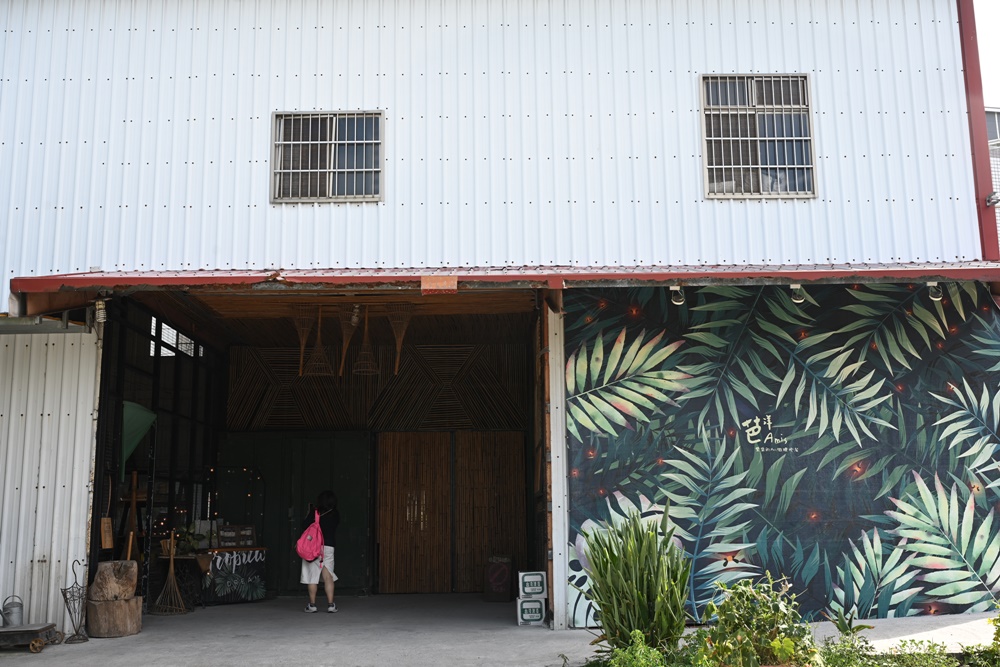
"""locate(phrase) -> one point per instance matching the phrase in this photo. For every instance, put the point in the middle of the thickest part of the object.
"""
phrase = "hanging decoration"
(318, 364)
(365, 364)
(348, 323)
(303, 325)
(399, 317)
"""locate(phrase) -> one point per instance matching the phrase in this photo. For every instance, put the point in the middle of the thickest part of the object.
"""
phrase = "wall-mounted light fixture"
(935, 292)
(992, 199)
(100, 311)
(798, 293)
(677, 295)
(356, 315)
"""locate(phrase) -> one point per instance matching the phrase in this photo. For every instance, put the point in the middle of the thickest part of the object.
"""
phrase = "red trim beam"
(982, 178)
(513, 277)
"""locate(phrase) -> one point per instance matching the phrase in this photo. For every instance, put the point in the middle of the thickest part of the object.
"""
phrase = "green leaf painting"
(849, 442)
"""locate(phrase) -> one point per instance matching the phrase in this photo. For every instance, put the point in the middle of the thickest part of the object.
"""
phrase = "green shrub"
(913, 653)
(639, 581)
(848, 650)
(981, 656)
(754, 624)
(638, 654)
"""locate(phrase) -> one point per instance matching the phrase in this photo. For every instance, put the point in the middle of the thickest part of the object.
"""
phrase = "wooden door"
(414, 512)
(490, 515)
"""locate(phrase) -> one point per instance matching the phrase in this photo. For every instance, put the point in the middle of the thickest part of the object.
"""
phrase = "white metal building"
(152, 150)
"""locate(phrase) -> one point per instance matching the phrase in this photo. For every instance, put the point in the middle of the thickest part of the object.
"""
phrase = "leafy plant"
(604, 394)
(915, 653)
(638, 580)
(845, 624)
(848, 650)
(637, 654)
(756, 623)
(187, 540)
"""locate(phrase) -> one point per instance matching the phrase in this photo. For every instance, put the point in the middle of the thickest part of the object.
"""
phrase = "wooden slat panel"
(489, 504)
(414, 516)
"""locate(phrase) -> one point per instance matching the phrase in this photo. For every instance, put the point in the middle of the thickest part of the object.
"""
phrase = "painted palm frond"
(876, 580)
(731, 337)
(710, 509)
(958, 551)
(972, 424)
(608, 394)
(987, 335)
(895, 323)
(833, 392)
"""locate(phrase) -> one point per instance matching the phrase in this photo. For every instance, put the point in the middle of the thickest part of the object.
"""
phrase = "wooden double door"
(446, 503)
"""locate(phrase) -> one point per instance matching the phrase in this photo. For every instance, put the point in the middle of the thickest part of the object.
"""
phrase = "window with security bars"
(758, 136)
(992, 125)
(327, 156)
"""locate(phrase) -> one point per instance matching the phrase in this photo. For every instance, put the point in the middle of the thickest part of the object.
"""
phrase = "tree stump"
(114, 618)
(115, 580)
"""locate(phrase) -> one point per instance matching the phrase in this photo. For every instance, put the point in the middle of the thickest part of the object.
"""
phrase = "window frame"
(337, 199)
(806, 109)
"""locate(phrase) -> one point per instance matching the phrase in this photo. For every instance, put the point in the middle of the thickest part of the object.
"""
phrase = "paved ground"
(405, 630)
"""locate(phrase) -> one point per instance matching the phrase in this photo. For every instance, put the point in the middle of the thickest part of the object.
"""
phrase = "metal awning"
(556, 277)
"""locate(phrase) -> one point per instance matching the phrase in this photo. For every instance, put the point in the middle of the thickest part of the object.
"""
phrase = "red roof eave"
(551, 277)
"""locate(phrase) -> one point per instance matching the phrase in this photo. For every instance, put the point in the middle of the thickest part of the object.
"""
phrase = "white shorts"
(311, 569)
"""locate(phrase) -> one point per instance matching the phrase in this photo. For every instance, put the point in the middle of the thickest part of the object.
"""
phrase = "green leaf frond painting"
(849, 442)
(634, 381)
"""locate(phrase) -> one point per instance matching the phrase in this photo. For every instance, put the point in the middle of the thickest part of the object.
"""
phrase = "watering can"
(13, 611)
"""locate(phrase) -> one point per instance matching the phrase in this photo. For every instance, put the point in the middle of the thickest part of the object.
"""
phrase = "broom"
(170, 601)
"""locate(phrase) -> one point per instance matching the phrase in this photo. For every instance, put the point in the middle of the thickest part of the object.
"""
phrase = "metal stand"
(75, 597)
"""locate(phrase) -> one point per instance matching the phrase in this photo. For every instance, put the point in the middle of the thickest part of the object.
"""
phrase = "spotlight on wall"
(935, 292)
(100, 312)
(798, 294)
(992, 199)
(677, 295)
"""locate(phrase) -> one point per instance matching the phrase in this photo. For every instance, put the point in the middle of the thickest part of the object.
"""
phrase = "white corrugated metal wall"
(48, 412)
(136, 135)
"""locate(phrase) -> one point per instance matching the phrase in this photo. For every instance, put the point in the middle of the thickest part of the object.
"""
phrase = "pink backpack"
(310, 544)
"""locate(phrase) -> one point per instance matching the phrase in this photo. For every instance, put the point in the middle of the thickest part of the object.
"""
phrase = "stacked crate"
(532, 590)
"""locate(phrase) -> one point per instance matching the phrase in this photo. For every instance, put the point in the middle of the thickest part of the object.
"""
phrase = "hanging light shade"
(319, 363)
(302, 319)
(366, 363)
(399, 315)
(348, 323)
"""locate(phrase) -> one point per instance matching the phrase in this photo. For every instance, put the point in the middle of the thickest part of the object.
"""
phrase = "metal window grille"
(993, 125)
(995, 172)
(327, 156)
(758, 136)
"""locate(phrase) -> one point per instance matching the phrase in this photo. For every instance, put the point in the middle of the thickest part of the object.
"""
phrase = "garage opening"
(423, 413)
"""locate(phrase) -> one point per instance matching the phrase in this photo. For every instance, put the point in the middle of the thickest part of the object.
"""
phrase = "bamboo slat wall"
(439, 387)
(489, 504)
(417, 519)
(414, 512)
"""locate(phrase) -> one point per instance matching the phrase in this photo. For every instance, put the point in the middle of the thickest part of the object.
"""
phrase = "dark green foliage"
(754, 624)
(638, 580)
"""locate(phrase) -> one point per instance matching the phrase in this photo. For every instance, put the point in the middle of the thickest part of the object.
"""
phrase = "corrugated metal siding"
(48, 399)
(136, 135)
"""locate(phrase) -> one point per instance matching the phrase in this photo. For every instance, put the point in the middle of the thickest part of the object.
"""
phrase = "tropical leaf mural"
(606, 395)
(848, 442)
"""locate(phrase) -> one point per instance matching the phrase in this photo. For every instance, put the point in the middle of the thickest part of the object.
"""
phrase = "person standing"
(322, 567)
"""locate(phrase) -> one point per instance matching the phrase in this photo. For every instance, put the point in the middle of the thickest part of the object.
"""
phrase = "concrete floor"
(410, 630)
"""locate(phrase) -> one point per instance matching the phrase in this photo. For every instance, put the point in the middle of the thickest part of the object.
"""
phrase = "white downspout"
(560, 504)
